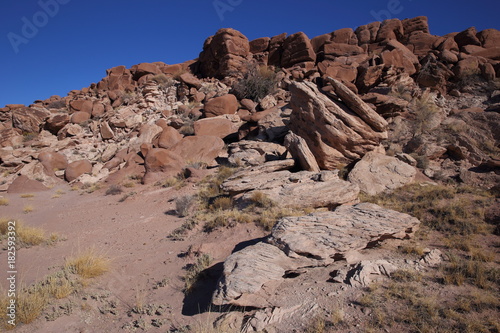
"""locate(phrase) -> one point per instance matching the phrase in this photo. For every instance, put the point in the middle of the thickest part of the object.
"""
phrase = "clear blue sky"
(75, 43)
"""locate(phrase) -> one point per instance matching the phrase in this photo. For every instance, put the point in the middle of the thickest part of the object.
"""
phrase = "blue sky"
(49, 47)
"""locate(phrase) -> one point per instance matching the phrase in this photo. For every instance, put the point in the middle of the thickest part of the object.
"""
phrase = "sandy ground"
(146, 269)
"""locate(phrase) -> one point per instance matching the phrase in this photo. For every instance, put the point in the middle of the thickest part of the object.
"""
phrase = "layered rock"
(376, 173)
(251, 276)
(335, 135)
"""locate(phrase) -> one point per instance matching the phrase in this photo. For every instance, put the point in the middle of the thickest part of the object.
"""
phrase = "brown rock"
(79, 117)
(448, 44)
(490, 53)
(144, 69)
(334, 135)
(339, 71)
(161, 163)
(358, 106)
(488, 71)
(376, 173)
(467, 37)
(467, 67)
(81, 105)
(218, 106)
(190, 80)
(224, 54)
(297, 48)
(390, 29)
(56, 122)
(489, 38)
(259, 45)
(448, 57)
(419, 23)
(344, 36)
(168, 137)
(22, 184)
(421, 43)
(369, 77)
(76, 169)
(276, 49)
(318, 41)
(220, 127)
(367, 33)
(332, 50)
(397, 59)
(98, 109)
(199, 148)
(29, 120)
(52, 161)
(11, 137)
(106, 131)
(298, 148)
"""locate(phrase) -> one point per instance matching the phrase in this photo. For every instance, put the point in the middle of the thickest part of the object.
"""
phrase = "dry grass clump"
(89, 264)
(27, 195)
(28, 209)
(26, 236)
(194, 272)
(223, 218)
(258, 82)
(461, 270)
(454, 210)
(183, 205)
(114, 190)
(4, 201)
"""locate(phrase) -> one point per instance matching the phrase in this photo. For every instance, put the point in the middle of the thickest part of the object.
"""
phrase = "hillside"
(345, 182)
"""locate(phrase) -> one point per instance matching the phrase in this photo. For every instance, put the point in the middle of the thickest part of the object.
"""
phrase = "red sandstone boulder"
(81, 105)
(23, 184)
(168, 137)
(218, 106)
(332, 50)
(29, 120)
(190, 80)
(419, 23)
(489, 38)
(79, 117)
(367, 33)
(144, 69)
(224, 54)
(276, 49)
(259, 45)
(76, 169)
(421, 43)
(220, 127)
(52, 161)
(56, 122)
(199, 148)
(390, 29)
(297, 48)
(466, 68)
(467, 37)
(160, 164)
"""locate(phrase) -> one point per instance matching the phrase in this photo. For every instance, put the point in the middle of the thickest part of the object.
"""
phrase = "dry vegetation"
(27, 236)
(194, 272)
(462, 294)
(33, 300)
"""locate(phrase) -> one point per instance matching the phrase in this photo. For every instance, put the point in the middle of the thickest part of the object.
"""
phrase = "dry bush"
(194, 272)
(30, 303)
(89, 264)
(454, 210)
(29, 236)
(163, 80)
(183, 205)
(28, 209)
(4, 201)
(460, 270)
(222, 203)
(27, 195)
(114, 190)
(26, 236)
(258, 82)
(261, 200)
(223, 218)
